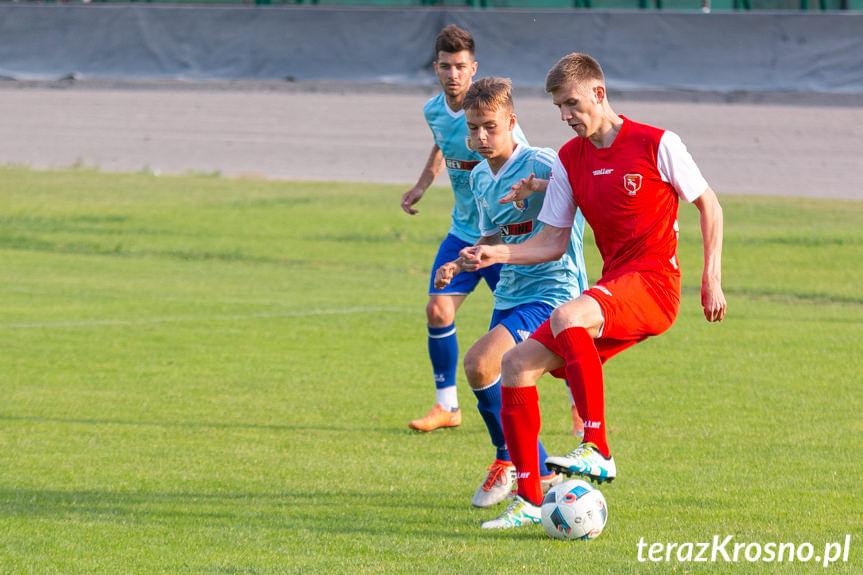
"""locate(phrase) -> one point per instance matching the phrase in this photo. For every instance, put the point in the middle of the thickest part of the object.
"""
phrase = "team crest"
(467, 143)
(632, 183)
(520, 205)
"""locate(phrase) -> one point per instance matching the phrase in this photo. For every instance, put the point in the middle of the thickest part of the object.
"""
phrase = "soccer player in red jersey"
(627, 179)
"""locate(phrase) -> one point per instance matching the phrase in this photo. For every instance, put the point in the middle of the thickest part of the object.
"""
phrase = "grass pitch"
(201, 375)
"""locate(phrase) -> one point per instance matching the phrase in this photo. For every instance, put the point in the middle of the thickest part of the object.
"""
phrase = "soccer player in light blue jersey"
(455, 68)
(525, 295)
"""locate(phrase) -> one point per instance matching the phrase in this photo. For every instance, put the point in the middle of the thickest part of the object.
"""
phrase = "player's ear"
(512, 120)
(599, 94)
(473, 67)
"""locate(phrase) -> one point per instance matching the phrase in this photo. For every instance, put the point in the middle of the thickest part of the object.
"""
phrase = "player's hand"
(473, 258)
(445, 273)
(713, 300)
(411, 197)
(523, 188)
(520, 190)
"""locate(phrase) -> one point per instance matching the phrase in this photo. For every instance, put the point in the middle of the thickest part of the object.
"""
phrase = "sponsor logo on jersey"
(465, 165)
(632, 183)
(603, 172)
(518, 229)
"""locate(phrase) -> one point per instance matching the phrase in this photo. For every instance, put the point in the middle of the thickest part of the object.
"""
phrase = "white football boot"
(519, 513)
(587, 461)
(497, 485)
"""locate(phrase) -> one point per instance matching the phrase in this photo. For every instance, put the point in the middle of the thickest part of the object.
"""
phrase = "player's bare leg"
(482, 360)
(583, 311)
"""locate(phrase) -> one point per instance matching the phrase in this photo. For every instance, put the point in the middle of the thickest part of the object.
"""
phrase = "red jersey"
(628, 194)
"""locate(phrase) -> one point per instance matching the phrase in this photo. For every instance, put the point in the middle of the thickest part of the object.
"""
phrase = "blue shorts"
(465, 282)
(522, 320)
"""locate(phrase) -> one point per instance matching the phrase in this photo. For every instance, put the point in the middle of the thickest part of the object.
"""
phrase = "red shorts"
(634, 306)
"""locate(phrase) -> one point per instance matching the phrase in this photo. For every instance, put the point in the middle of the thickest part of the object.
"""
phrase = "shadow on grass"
(334, 514)
(212, 425)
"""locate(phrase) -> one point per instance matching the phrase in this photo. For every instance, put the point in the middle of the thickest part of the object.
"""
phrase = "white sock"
(447, 397)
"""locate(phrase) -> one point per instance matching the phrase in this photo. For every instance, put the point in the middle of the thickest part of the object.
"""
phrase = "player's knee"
(562, 317)
(479, 368)
(571, 316)
(476, 369)
(512, 362)
(438, 314)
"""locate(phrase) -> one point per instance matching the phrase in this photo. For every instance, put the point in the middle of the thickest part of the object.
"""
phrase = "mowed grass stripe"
(263, 315)
(205, 375)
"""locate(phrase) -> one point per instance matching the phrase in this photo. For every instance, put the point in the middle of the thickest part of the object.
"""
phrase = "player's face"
(490, 132)
(455, 70)
(580, 107)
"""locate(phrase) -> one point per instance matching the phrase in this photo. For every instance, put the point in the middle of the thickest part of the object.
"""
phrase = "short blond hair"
(490, 93)
(575, 67)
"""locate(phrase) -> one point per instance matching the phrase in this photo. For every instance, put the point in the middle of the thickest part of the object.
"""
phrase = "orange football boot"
(436, 418)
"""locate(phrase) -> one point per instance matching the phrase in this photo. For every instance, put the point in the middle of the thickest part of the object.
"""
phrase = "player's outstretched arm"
(433, 168)
(548, 245)
(523, 188)
(712, 297)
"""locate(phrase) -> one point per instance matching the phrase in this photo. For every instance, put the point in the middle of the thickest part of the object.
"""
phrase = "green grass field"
(211, 376)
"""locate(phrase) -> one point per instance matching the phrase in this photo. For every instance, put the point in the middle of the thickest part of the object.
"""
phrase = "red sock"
(521, 422)
(584, 374)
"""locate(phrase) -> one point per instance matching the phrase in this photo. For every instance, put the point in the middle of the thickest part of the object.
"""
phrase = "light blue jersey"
(452, 137)
(554, 282)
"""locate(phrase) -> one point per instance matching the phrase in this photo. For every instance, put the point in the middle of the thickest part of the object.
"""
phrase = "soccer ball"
(574, 509)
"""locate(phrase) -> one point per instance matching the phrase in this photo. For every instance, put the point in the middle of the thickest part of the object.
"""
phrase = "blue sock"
(543, 470)
(443, 352)
(489, 404)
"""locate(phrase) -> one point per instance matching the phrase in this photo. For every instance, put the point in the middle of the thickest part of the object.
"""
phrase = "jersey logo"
(467, 143)
(518, 229)
(520, 205)
(463, 165)
(632, 183)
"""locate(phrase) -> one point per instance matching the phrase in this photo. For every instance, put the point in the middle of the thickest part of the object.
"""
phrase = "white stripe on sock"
(442, 335)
